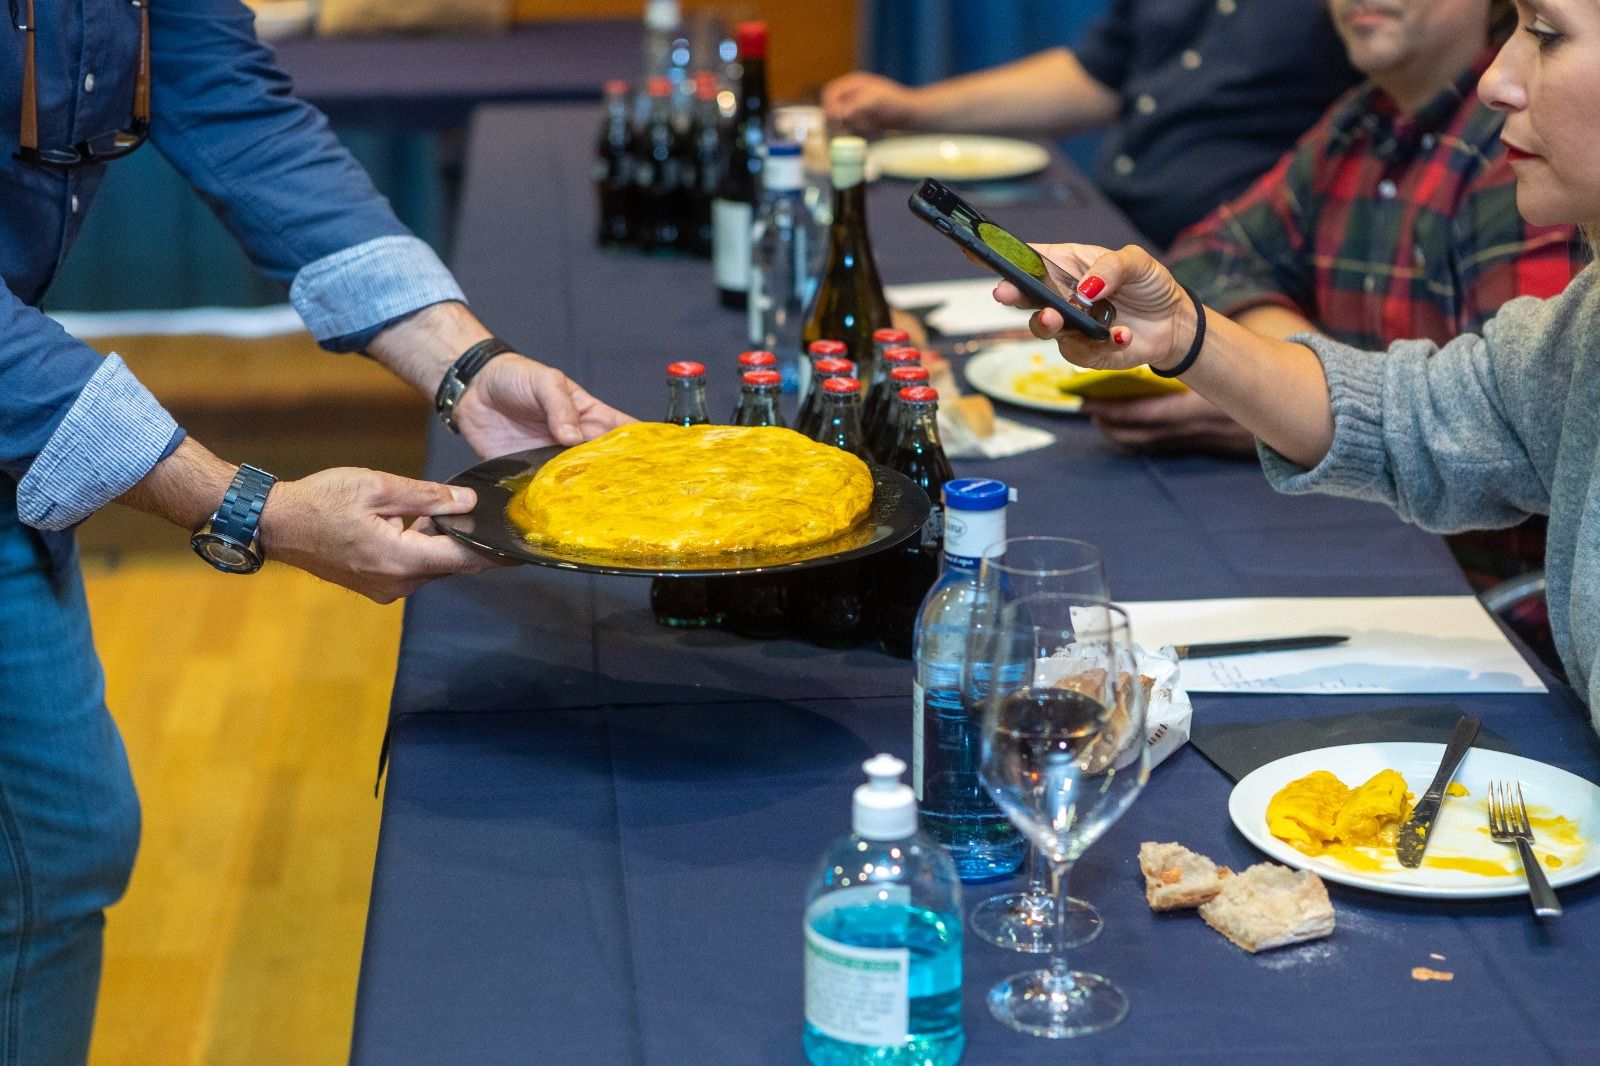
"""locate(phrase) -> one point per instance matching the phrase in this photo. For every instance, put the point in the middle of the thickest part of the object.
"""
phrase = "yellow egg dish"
(1317, 811)
(693, 492)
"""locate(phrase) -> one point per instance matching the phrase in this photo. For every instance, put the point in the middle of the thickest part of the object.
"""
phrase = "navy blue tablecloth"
(420, 81)
(597, 832)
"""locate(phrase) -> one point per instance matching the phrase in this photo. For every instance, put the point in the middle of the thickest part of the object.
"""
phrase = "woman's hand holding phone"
(1155, 318)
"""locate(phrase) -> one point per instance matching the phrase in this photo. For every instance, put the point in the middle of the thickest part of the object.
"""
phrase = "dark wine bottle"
(849, 304)
(733, 208)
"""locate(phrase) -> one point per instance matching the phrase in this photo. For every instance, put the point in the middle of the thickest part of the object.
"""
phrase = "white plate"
(956, 157)
(995, 373)
(1460, 830)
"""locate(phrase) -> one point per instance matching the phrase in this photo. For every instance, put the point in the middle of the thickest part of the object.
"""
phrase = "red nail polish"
(1091, 287)
(1121, 336)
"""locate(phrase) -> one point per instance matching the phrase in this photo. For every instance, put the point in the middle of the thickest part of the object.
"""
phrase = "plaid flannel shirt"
(1379, 226)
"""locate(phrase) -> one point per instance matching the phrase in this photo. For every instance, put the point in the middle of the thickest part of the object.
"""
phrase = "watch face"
(224, 554)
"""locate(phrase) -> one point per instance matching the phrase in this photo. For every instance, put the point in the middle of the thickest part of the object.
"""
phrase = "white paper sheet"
(1398, 644)
(964, 307)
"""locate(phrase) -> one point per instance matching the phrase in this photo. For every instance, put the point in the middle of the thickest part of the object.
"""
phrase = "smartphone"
(1043, 282)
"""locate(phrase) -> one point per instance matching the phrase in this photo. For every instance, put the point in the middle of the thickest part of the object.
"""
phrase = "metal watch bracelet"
(455, 381)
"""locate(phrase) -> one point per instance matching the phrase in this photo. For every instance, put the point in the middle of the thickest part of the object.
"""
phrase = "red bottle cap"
(827, 348)
(841, 385)
(919, 394)
(616, 85)
(756, 360)
(686, 370)
(659, 85)
(910, 374)
(752, 38)
(889, 335)
(834, 366)
(901, 354)
(705, 85)
(761, 377)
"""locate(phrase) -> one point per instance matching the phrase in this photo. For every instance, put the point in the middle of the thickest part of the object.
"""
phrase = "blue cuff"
(113, 433)
(346, 297)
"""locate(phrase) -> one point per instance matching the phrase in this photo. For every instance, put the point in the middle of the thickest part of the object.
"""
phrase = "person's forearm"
(1045, 93)
(1275, 389)
(185, 488)
(1275, 321)
(421, 348)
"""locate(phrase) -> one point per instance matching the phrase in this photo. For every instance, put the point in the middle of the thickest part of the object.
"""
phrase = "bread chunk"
(1270, 906)
(1176, 877)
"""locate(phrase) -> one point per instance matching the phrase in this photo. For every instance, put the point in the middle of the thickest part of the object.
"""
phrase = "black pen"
(1249, 647)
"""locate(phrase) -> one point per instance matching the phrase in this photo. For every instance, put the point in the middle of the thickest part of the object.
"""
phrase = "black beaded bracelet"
(1195, 346)
(455, 381)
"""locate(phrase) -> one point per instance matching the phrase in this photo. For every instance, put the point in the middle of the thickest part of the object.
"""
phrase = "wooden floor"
(253, 709)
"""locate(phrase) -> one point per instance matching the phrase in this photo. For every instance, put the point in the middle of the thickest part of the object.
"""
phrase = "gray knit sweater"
(1479, 434)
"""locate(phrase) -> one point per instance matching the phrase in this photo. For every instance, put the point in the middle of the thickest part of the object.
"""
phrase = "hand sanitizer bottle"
(883, 938)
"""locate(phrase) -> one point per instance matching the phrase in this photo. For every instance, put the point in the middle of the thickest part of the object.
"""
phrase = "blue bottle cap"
(782, 148)
(976, 494)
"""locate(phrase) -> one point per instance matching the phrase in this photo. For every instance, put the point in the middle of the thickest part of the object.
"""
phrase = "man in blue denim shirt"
(77, 431)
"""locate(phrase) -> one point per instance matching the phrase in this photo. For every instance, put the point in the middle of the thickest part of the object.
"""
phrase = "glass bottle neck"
(686, 403)
(758, 408)
(841, 424)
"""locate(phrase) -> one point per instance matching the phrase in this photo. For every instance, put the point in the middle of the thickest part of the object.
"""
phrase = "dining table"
(597, 831)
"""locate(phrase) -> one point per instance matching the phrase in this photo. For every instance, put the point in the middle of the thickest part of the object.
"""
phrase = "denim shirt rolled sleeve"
(274, 173)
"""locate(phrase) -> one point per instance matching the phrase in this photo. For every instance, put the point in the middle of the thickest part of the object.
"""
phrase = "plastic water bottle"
(883, 938)
(786, 249)
(945, 739)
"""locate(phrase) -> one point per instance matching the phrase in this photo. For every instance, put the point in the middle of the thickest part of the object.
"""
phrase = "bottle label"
(855, 994)
(916, 739)
(971, 535)
(730, 244)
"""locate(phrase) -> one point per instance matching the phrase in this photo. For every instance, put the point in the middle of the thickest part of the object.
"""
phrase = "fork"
(1508, 824)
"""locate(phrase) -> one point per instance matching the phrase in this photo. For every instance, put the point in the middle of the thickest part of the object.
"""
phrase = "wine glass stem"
(1059, 970)
(1036, 883)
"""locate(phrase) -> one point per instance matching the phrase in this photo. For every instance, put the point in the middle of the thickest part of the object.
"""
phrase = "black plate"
(899, 508)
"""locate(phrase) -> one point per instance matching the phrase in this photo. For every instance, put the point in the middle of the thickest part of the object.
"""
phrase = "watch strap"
(455, 381)
(240, 513)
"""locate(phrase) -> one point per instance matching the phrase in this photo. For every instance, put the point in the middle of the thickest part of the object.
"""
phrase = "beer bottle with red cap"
(849, 304)
(664, 177)
(757, 605)
(810, 419)
(911, 374)
(707, 143)
(879, 391)
(613, 170)
(905, 573)
(817, 349)
(753, 360)
(685, 602)
(833, 610)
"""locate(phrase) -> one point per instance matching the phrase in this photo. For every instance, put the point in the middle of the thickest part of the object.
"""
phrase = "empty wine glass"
(1064, 755)
(1025, 566)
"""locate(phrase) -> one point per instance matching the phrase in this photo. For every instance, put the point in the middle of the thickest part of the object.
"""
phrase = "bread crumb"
(1435, 956)
(1422, 973)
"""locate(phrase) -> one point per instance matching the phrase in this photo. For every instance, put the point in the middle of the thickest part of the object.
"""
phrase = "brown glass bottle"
(906, 572)
(685, 602)
(832, 610)
(880, 390)
(901, 376)
(809, 420)
(849, 303)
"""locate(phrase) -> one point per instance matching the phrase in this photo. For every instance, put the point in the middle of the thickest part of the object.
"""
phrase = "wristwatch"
(454, 383)
(230, 540)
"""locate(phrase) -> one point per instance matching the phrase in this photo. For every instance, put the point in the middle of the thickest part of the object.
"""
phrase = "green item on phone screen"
(1023, 257)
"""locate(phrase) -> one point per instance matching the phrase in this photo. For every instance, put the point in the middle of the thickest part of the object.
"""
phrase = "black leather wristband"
(1194, 346)
(455, 381)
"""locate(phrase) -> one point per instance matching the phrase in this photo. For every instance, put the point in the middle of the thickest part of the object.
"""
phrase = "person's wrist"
(1185, 328)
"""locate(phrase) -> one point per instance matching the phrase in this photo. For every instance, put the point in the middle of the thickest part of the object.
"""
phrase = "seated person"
(1200, 97)
(1481, 431)
(1395, 216)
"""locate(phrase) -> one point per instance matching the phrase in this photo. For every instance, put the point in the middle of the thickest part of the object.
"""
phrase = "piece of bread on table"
(1176, 877)
(1270, 906)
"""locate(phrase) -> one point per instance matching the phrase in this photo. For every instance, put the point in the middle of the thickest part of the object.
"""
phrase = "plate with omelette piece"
(1033, 374)
(1335, 811)
(663, 500)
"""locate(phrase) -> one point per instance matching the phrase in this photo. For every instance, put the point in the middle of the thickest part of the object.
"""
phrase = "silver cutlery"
(1509, 824)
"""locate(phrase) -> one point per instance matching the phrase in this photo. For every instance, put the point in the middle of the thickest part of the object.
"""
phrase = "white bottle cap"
(662, 14)
(885, 807)
(848, 161)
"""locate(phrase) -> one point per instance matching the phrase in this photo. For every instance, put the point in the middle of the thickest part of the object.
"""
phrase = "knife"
(1414, 834)
(1248, 647)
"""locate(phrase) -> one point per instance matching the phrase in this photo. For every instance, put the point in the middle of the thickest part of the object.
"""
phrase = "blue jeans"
(69, 818)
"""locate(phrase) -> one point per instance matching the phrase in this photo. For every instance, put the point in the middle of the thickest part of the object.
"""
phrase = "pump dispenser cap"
(885, 807)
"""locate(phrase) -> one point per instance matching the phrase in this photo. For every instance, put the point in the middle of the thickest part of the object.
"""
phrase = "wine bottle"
(850, 304)
(733, 208)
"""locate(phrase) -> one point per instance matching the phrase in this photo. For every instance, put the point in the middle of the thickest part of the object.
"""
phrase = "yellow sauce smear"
(1356, 827)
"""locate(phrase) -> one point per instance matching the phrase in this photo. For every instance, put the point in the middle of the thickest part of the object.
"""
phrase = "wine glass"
(1064, 754)
(1025, 921)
